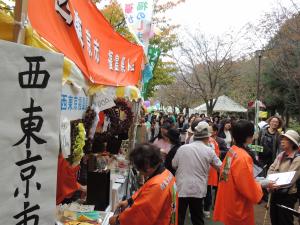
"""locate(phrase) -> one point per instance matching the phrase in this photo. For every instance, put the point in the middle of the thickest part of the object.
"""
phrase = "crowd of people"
(214, 168)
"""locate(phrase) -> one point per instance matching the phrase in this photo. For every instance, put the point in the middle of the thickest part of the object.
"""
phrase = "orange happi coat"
(213, 173)
(155, 203)
(237, 191)
(67, 183)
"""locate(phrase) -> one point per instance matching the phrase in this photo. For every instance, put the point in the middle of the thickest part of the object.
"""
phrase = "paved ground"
(259, 217)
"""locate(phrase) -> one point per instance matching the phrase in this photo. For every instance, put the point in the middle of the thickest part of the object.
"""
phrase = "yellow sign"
(263, 114)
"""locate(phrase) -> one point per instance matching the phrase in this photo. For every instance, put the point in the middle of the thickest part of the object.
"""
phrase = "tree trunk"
(187, 111)
(209, 107)
(297, 97)
(287, 118)
(210, 111)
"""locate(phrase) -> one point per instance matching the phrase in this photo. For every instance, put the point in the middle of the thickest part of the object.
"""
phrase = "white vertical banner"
(30, 92)
(73, 104)
(138, 15)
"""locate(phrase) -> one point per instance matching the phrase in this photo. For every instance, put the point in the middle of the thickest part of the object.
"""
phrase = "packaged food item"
(84, 216)
(81, 223)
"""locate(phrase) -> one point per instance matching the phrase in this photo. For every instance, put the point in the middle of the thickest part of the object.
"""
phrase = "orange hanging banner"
(79, 30)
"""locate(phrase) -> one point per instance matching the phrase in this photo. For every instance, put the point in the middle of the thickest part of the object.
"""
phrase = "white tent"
(223, 104)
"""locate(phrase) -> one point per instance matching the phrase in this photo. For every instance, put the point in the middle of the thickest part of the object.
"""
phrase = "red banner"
(79, 30)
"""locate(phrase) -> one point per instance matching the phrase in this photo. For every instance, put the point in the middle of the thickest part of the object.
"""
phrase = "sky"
(216, 17)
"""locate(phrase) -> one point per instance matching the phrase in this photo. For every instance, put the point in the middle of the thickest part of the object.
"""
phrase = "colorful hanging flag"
(144, 90)
(138, 15)
(147, 73)
(153, 55)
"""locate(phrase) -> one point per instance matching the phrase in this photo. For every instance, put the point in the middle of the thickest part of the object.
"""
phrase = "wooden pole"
(20, 16)
(267, 208)
(136, 107)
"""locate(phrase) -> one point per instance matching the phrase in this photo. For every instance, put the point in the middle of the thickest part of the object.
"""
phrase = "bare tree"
(206, 66)
(177, 94)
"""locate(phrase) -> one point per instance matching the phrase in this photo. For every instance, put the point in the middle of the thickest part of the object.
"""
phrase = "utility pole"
(259, 55)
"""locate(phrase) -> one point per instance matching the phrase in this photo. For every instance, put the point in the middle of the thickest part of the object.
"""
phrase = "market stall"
(223, 104)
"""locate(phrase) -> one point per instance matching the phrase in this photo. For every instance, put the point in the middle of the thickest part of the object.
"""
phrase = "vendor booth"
(223, 104)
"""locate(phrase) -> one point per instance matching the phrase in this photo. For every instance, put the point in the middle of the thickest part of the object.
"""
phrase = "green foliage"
(166, 40)
(164, 70)
(114, 15)
(6, 8)
(295, 126)
(274, 91)
(162, 76)
(282, 77)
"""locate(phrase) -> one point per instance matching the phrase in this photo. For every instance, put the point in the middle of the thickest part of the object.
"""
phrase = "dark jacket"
(169, 158)
(223, 147)
(271, 146)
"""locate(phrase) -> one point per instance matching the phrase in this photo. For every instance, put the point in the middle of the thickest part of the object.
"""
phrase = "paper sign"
(257, 170)
(282, 179)
(138, 15)
(73, 102)
(65, 138)
(256, 148)
(30, 91)
(102, 101)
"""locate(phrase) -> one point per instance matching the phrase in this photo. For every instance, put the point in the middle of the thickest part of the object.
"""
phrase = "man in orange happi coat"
(238, 190)
(155, 203)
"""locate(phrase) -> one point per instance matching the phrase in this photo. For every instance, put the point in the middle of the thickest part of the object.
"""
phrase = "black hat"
(166, 125)
(173, 134)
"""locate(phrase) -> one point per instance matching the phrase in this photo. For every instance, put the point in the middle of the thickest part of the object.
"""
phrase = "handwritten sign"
(30, 94)
(102, 101)
(65, 137)
(138, 15)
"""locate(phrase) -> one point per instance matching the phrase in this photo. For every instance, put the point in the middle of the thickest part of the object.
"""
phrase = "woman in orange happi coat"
(155, 203)
(213, 178)
(238, 190)
(67, 183)
(213, 173)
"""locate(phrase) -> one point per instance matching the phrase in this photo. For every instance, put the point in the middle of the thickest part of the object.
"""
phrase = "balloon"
(147, 103)
(150, 109)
